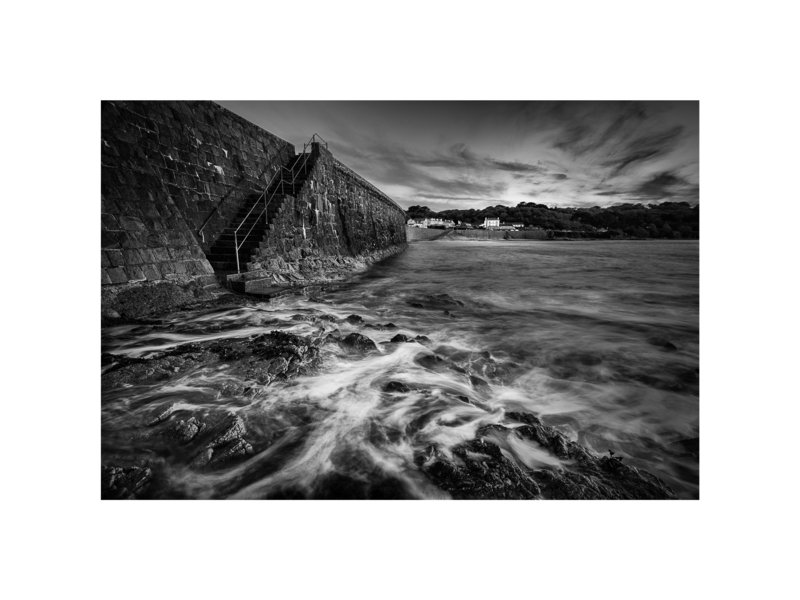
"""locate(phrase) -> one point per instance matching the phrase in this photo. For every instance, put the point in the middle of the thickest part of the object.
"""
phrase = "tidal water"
(599, 339)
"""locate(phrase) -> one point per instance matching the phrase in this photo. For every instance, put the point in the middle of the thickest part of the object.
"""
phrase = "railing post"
(236, 249)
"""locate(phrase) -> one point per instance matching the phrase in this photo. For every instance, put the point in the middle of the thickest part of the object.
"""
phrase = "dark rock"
(431, 361)
(422, 338)
(184, 431)
(124, 483)
(479, 384)
(358, 344)
(227, 444)
(482, 473)
(163, 415)
(400, 339)
(436, 301)
(587, 476)
(354, 320)
(396, 386)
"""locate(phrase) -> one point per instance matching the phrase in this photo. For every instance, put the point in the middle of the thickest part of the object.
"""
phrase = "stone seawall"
(338, 223)
(420, 234)
(166, 167)
(174, 175)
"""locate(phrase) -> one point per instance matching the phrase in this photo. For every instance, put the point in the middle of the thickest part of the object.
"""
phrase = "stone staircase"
(250, 222)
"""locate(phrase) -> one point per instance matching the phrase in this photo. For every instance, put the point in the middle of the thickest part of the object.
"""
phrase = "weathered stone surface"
(124, 483)
(358, 344)
(262, 359)
(184, 431)
(480, 472)
(396, 386)
(227, 444)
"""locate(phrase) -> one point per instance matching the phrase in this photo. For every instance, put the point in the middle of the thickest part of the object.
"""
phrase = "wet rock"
(304, 318)
(433, 362)
(401, 339)
(479, 384)
(354, 320)
(226, 353)
(124, 483)
(284, 354)
(163, 415)
(184, 431)
(396, 386)
(236, 449)
(479, 472)
(422, 338)
(441, 301)
(227, 444)
(358, 344)
(587, 476)
(234, 429)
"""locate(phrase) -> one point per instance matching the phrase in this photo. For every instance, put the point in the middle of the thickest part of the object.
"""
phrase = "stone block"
(132, 257)
(131, 223)
(152, 272)
(105, 279)
(114, 258)
(135, 273)
(117, 275)
(109, 239)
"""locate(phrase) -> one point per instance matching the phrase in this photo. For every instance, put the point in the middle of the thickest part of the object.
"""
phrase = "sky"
(473, 154)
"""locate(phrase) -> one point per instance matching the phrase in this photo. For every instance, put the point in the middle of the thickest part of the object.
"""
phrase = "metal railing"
(216, 208)
(268, 199)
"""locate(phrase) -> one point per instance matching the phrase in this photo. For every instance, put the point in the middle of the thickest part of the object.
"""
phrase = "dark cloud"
(666, 185)
(559, 176)
(661, 185)
(588, 127)
(517, 167)
(643, 149)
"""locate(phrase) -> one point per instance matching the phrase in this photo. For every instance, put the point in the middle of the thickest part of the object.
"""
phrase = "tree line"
(668, 220)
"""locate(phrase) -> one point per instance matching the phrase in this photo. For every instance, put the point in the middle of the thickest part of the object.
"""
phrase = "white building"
(490, 222)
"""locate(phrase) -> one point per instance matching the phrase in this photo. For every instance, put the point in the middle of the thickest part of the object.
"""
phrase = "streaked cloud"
(474, 154)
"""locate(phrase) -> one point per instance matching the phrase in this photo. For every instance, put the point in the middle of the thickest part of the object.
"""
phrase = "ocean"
(600, 340)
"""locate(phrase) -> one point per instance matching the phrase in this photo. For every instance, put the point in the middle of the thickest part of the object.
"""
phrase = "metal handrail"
(267, 201)
(263, 194)
(309, 144)
(216, 208)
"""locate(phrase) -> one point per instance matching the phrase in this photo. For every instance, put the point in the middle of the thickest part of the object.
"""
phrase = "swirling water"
(600, 339)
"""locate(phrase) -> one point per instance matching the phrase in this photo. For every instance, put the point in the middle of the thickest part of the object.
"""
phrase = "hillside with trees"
(668, 220)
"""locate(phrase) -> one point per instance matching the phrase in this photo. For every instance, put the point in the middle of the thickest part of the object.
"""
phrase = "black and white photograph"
(400, 300)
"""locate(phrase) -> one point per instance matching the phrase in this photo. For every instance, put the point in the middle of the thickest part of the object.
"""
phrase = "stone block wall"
(166, 166)
(338, 222)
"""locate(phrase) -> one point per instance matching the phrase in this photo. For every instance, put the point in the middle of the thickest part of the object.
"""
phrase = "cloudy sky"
(475, 154)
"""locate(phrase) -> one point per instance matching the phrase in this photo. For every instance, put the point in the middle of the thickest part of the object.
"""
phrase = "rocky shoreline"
(174, 436)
